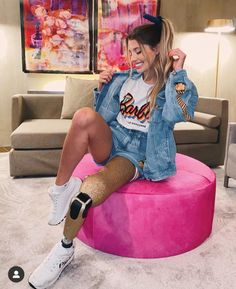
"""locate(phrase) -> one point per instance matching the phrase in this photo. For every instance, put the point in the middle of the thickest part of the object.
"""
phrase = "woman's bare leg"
(99, 187)
(88, 131)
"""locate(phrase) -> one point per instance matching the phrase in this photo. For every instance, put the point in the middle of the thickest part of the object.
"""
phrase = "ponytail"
(163, 64)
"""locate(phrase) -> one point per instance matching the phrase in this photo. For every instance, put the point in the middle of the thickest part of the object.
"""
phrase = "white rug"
(26, 238)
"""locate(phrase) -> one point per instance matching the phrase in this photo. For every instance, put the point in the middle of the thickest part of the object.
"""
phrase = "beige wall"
(12, 80)
(189, 18)
(192, 15)
(227, 74)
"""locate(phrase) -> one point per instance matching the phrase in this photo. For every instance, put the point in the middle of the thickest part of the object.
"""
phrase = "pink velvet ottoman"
(145, 219)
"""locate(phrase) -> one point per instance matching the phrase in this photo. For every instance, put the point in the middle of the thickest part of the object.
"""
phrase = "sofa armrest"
(16, 111)
(217, 107)
(211, 105)
(32, 106)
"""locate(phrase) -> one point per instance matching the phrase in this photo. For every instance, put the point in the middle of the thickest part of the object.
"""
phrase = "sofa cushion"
(189, 133)
(209, 120)
(40, 134)
(78, 94)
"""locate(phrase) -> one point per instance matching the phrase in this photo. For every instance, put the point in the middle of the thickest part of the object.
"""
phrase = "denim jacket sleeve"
(180, 103)
(99, 96)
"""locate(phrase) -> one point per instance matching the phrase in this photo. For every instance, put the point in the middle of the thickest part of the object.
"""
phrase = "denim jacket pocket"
(108, 114)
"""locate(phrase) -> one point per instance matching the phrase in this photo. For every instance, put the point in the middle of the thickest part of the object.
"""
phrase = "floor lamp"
(219, 26)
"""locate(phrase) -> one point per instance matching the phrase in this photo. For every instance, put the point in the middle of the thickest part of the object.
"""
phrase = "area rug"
(26, 238)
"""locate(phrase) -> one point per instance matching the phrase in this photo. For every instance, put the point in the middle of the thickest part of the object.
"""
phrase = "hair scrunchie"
(157, 20)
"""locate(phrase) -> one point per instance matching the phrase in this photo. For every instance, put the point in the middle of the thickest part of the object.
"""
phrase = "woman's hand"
(178, 57)
(104, 77)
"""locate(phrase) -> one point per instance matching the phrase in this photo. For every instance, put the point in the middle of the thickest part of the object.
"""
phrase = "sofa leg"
(226, 181)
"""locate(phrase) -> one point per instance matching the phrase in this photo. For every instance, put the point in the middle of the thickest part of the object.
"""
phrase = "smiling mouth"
(137, 65)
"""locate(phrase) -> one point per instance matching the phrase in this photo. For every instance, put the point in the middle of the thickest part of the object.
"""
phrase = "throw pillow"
(78, 94)
(209, 120)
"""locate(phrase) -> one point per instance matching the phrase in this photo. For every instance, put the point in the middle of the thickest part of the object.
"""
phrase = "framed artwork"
(56, 36)
(113, 22)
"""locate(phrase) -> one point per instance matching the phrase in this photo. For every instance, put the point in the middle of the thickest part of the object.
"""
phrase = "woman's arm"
(181, 94)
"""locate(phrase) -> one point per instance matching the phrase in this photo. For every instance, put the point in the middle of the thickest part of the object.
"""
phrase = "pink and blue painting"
(56, 35)
(115, 19)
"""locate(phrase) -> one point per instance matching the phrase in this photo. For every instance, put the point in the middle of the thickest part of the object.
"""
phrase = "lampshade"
(220, 25)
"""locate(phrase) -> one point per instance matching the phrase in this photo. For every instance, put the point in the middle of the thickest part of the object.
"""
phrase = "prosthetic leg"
(96, 189)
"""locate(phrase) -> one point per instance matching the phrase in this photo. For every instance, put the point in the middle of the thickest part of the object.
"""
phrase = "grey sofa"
(38, 133)
(230, 154)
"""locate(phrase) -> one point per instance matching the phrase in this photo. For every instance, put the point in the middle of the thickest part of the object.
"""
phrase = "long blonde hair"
(152, 35)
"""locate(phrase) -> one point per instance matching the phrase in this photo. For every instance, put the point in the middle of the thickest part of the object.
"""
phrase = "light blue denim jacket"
(161, 147)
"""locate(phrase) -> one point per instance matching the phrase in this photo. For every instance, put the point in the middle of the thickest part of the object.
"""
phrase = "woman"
(130, 133)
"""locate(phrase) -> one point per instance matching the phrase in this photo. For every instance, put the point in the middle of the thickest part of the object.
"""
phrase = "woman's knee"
(84, 117)
(96, 188)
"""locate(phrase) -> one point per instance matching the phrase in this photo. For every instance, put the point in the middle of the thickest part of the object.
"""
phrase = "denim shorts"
(130, 144)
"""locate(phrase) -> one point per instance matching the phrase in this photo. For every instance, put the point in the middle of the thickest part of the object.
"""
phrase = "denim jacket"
(161, 148)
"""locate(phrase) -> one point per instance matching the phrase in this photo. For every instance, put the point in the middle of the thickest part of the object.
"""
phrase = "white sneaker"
(61, 201)
(50, 269)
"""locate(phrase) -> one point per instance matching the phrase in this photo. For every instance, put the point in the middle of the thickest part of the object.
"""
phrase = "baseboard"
(4, 149)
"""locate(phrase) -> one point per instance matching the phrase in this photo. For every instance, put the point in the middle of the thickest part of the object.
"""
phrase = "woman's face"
(142, 63)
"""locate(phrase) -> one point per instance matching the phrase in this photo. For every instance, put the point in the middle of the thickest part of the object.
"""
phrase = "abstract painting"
(114, 20)
(56, 36)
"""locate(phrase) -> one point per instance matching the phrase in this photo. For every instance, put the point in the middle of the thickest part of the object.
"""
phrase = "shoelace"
(53, 264)
(55, 203)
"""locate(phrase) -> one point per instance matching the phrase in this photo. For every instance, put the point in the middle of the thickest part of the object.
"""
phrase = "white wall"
(201, 49)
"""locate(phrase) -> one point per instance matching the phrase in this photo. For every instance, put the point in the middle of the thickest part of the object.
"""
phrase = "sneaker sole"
(66, 208)
(55, 279)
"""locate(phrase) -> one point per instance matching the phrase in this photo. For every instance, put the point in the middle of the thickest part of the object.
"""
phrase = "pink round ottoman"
(145, 219)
